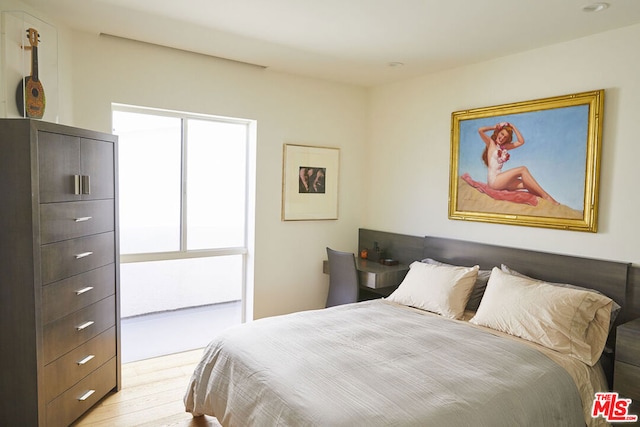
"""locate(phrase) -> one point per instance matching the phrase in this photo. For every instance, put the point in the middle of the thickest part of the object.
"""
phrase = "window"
(150, 174)
(184, 211)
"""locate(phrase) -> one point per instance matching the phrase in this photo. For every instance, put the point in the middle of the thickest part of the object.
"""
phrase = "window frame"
(249, 207)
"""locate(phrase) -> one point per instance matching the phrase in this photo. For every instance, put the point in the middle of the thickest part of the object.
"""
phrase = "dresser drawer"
(77, 364)
(72, 294)
(626, 380)
(69, 332)
(63, 410)
(64, 221)
(70, 257)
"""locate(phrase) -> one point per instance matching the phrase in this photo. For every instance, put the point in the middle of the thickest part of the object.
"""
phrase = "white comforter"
(378, 364)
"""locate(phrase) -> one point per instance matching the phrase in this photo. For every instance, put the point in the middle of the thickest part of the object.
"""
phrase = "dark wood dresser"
(59, 274)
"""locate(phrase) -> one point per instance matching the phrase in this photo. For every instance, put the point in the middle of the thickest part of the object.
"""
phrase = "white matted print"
(310, 182)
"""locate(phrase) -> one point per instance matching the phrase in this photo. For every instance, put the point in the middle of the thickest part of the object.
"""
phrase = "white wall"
(288, 109)
(410, 127)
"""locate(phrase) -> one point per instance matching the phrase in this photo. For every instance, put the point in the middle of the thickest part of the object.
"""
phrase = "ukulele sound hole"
(34, 92)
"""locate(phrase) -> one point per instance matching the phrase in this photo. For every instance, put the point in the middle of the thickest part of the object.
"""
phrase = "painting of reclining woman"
(526, 165)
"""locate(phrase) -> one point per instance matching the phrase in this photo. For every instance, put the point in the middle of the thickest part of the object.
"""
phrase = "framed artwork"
(310, 183)
(533, 163)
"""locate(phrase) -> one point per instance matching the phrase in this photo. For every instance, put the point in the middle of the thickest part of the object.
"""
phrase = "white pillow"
(615, 307)
(440, 289)
(478, 287)
(567, 320)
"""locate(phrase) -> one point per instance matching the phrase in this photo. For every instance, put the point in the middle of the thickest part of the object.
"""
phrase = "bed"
(475, 335)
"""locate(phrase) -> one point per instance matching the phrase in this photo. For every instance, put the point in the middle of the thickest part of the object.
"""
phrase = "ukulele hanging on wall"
(30, 93)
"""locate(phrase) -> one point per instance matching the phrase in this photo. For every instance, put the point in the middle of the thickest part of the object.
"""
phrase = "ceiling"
(351, 41)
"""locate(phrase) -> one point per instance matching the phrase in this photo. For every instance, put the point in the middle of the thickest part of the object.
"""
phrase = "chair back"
(343, 278)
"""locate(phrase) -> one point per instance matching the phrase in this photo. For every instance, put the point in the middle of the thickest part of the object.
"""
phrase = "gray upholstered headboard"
(608, 277)
(618, 280)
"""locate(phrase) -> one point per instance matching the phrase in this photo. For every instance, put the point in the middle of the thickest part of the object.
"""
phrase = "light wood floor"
(151, 395)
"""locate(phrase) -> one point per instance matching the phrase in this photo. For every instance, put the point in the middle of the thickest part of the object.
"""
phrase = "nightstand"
(626, 377)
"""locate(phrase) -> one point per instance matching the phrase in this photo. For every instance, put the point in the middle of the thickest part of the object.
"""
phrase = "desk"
(375, 277)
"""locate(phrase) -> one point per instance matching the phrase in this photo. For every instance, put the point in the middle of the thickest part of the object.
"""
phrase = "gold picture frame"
(533, 163)
(310, 183)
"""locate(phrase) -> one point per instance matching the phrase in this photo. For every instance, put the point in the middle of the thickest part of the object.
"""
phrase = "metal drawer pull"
(86, 395)
(83, 219)
(77, 184)
(85, 325)
(86, 184)
(85, 360)
(83, 255)
(83, 290)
